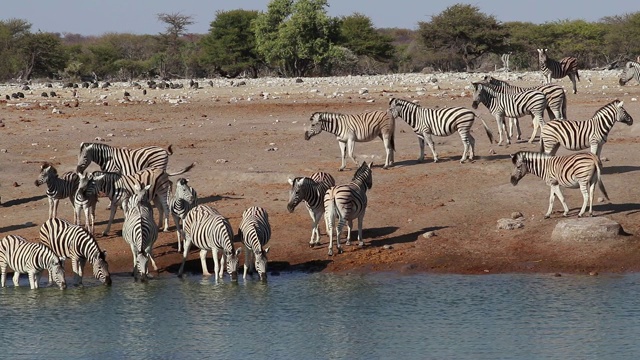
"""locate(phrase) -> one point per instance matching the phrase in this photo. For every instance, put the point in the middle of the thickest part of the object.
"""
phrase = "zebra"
(578, 135)
(30, 258)
(550, 68)
(510, 105)
(255, 232)
(207, 229)
(350, 129)
(57, 187)
(139, 230)
(184, 199)
(122, 160)
(311, 190)
(631, 71)
(85, 200)
(581, 170)
(76, 243)
(347, 202)
(426, 122)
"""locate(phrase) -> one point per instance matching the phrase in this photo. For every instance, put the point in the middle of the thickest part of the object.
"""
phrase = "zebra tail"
(600, 183)
(577, 75)
(392, 141)
(170, 149)
(542, 145)
(179, 172)
(486, 128)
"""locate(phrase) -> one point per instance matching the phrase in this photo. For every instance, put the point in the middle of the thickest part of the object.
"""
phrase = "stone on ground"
(586, 229)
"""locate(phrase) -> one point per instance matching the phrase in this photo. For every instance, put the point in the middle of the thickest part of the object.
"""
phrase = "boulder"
(510, 224)
(586, 229)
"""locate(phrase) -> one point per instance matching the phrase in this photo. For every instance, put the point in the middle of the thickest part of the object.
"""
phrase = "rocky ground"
(247, 139)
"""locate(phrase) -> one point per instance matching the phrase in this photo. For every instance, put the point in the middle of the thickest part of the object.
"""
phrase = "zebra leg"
(572, 77)
(187, 246)
(216, 263)
(77, 273)
(429, 140)
(343, 150)
(112, 214)
(350, 146)
(472, 146)
(203, 262)
(52, 207)
(421, 145)
(246, 262)
(360, 220)
(176, 220)
(349, 226)
(389, 152)
(535, 124)
(558, 192)
(465, 148)
(329, 219)
(338, 232)
(586, 190)
(163, 212)
(592, 187)
(501, 129)
(315, 232)
(33, 280)
(3, 276)
(16, 278)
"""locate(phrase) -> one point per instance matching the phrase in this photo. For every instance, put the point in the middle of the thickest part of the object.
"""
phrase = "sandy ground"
(247, 140)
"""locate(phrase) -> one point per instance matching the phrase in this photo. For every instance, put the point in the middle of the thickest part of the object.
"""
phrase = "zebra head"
(261, 263)
(542, 56)
(101, 268)
(47, 172)
(142, 265)
(296, 193)
(630, 70)
(185, 192)
(84, 157)
(84, 180)
(56, 271)
(232, 263)
(479, 94)
(621, 114)
(520, 168)
(363, 175)
(316, 126)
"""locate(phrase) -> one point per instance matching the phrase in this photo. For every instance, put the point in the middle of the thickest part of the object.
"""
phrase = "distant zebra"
(30, 258)
(180, 203)
(57, 187)
(631, 71)
(255, 232)
(578, 135)
(75, 243)
(122, 160)
(581, 170)
(347, 202)
(550, 68)
(140, 231)
(350, 129)
(510, 105)
(207, 229)
(85, 200)
(311, 190)
(426, 122)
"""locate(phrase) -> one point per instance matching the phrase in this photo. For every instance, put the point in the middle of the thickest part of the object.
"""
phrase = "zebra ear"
(238, 251)
(620, 103)
(290, 180)
(265, 250)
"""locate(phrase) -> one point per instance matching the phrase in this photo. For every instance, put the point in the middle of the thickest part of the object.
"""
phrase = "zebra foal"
(57, 187)
(76, 243)
(350, 129)
(631, 71)
(347, 202)
(255, 232)
(140, 231)
(207, 229)
(426, 122)
(581, 170)
(29, 258)
(181, 202)
(550, 68)
(311, 190)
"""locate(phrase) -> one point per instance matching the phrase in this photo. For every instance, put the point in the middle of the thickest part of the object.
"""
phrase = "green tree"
(462, 30)
(358, 35)
(622, 34)
(229, 47)
(41, 54)
(176, 24)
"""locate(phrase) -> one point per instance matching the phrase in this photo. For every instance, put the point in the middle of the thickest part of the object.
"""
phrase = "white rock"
(509, 224)
(586, 229)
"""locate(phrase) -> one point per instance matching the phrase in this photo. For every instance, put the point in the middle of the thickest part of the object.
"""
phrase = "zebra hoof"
(311, 245)
(547, 216)
(330, 253)
(340, 251)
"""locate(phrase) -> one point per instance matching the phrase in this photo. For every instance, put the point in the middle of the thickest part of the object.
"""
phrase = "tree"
(230, 44)
(41, 54)
(176, 27)
(622, 34)
(462, 30)
(358, 35)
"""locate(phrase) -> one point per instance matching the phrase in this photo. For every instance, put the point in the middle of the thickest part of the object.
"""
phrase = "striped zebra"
(57, 187)
(578, 135)
(581, 170)
(30, 258)
(207, 229)
(426, 122)
(350, 129)
(139, 230)
(510, 105)
(180, 203)
(255, 232)
(631, 71)
(347, 202)
(552, 69)
(85, 200)
(76, 243)
(122, 160)
(311, 190)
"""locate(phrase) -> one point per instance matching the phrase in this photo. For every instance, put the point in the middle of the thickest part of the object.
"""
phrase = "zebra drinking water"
(140, 231)
(350, 129)
(426, 122)
(57, 187)
(85, 200)
(75, 243)
(578, 135)
(510, 105)
(581, 170)
(631, 71)
(207, 229)
(29, 258)
(347, 202)
(552, 69)
(255, 232)
(180, 203)
(311, 190)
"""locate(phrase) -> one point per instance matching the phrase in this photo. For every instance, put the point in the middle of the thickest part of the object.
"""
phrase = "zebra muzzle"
(307, 136)
(474, 105)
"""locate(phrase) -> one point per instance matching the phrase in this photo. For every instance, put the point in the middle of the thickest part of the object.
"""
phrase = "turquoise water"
(325, 316)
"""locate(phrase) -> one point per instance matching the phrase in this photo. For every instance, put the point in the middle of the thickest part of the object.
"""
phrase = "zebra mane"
(606, 109)
(632, 64)
(528, 156)
(327, 116)
(363, 175)
(403, 102)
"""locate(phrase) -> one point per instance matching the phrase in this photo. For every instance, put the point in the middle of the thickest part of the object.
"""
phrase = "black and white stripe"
(207, 229)
(426, 122)
(631, 71)
(122, 160)
(85, 200)
(57, 187)
(581, 170)
(347, 202)
(139, 230)
(552, 69)
(311, 190)
(76, 243)
(510, 105)
(578, 135)
(255, 232)
(350, 129)
(29, 258)
(180, 203)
